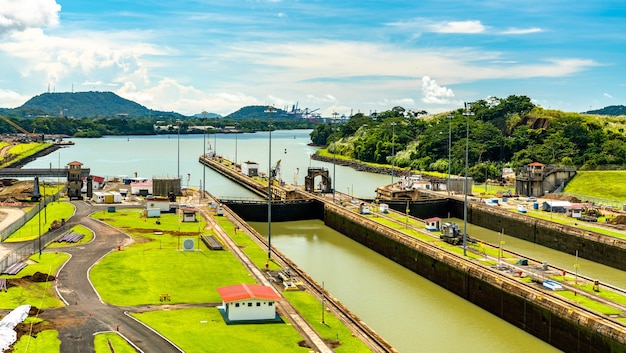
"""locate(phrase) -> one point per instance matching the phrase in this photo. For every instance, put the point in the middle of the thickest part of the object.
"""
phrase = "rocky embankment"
(353, 164)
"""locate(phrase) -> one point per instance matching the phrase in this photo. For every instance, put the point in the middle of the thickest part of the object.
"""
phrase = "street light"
(203, 156)
(449, 150)
(334, 183)
(178, 165)
(236, 145)
(269, 192)
(393, 151)
(467, 112)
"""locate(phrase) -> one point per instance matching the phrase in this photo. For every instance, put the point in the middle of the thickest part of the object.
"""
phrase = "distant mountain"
(612, 110)
(84, 105)
(207, 115)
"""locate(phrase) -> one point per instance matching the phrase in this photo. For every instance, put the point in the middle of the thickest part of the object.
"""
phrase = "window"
(236, 305)
(270, 303)
(249, 304)
(258, 304)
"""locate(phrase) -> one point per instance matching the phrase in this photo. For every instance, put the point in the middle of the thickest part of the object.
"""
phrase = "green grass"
(332, 329)
(153, 265)
(589, 303)
(249, 247)
(23, 150)
(88, 236)
(120, 345)
(41, 295)
(607, 186)
(46, 341)
(54, 211)
(203, 330)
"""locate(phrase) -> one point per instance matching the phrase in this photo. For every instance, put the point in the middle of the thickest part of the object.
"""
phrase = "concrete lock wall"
(592, 246)
(558, 323)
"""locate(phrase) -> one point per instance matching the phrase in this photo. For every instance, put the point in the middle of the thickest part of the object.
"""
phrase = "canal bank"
(556, 321)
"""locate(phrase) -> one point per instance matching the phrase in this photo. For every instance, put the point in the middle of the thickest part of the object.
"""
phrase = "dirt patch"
(329, 342)
(620, 219)
(39, 277)
(561, 197)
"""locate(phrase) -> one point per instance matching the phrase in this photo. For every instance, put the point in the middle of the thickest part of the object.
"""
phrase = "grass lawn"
(249, 247)
(46, 341)
(607, 185)
(331, 329)
(589, 303)
(203, 330)
(42, 294)
(54, 211)
(153, 265)
(119, 344)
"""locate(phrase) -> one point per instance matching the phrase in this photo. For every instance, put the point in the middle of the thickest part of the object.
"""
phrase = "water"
(170, 155)
(412, 313)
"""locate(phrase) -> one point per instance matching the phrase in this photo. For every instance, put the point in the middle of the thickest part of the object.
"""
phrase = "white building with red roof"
(248, 302)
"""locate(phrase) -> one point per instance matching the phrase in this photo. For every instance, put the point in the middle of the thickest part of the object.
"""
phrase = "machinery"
(451, 233)
(31, 135)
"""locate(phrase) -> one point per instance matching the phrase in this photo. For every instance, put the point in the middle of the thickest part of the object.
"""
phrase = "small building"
(575, 210)
(248, 302)
(250, 169)
(152, 213)
(143, 188)
(97, 182)
(433, 224)
(384, 208)
(162, 203)
(104, 197)
(556, 206)
(189, 214)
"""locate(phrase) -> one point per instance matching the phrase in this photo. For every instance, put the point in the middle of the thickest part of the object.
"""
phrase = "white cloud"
(19, 15)
(435, 94)
(11, 98)
(520, 31)
(467, 27)
(607, 95)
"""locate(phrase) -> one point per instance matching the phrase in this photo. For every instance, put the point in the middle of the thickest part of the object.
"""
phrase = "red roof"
(247, 291)
(75, 163)
(433, 219)
(536, 164)
(96, 178)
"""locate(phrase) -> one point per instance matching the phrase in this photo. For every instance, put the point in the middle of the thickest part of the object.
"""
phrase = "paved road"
(85, 314)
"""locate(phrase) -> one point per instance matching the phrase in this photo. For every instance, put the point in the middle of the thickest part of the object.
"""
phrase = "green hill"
(83, 105)
(606, 187)
(613, 110)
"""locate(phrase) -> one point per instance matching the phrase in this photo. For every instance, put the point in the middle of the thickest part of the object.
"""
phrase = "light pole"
(449, 150)
(393, 151)
(236, 132)
(178, 165)
(334, 183)
(269, 192)
(203, 166)
(467, 112)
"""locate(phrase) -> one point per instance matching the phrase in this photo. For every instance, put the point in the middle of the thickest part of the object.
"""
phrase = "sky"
(333, 56)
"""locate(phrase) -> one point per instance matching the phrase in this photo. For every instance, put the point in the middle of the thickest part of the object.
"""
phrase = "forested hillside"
(502, 132)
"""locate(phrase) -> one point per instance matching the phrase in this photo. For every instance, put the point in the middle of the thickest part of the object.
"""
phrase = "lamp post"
(393, 151)
(449, 150)
(178, 151)
(269, 191)
(203, 156)
(467, 112)
(236, 145)
(334, 183)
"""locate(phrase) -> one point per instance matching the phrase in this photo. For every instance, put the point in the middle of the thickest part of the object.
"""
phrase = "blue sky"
(338, 56)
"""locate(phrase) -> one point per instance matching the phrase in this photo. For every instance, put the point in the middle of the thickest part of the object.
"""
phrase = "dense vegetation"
(502, 132)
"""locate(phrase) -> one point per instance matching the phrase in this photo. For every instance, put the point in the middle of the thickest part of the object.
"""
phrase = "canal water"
(409, 311)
